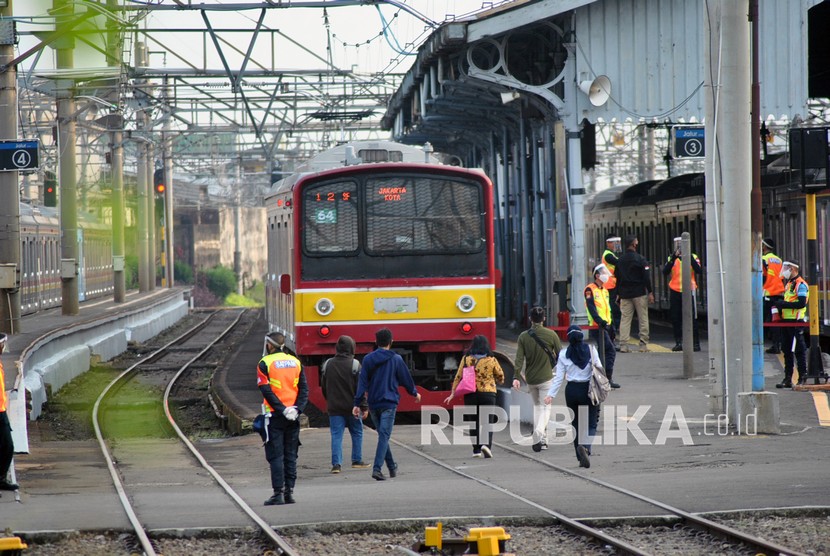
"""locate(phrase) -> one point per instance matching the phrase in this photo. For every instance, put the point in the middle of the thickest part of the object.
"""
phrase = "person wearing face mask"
(793, 308)
(613, 246)
(6, 442)
(672, 270)
(635, 292)
(598, 304)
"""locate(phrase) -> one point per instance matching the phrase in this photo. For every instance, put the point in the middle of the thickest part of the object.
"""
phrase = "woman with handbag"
(476, 379)
(576, 365)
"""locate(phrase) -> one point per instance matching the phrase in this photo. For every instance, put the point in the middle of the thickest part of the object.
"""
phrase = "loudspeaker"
(509, 96)
(598, 90)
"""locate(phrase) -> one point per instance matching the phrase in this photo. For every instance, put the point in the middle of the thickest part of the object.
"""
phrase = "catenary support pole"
(756, 218)
(67, 177)
(728, 165)
(9, 191)
(114, 46)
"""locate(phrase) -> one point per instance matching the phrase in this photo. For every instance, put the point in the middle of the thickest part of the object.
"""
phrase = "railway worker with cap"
(536, 352)
(575, 365)
(635, 292)
(613, 246)
(339, 383)
(773, 290)
(382, 373)
(281, 381)
(672, 269)
(279, 343)
(793, 307)
(599, 311)
(6, 442)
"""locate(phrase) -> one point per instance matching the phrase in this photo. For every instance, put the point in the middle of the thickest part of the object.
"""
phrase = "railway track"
(164, 367)
(711, 536)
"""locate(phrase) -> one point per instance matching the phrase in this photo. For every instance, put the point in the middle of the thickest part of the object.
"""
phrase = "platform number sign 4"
(19, 155)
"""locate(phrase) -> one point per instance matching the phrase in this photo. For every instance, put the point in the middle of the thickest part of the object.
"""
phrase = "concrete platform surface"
(698, 468)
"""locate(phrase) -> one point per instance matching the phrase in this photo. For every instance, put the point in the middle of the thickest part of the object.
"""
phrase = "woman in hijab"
(575, 365)
(488, 373)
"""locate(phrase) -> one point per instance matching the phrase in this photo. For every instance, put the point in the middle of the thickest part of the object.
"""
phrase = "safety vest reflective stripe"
(601, 302)
(773, 284)
(676, 282)
(791, 294)
(612, 282)
(283, 377)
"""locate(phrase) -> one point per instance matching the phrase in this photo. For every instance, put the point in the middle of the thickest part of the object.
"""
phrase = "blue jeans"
(337, 424)
(281, 452)
(384, 420)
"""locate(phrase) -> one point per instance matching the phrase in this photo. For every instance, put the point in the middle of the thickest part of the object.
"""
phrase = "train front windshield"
(393, 226)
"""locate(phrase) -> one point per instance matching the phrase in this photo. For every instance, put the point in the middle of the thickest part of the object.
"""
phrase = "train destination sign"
(688, 141)
(19, 155)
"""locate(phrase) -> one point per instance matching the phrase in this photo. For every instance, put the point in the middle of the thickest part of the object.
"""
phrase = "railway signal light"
(50, 189)
(158, 182)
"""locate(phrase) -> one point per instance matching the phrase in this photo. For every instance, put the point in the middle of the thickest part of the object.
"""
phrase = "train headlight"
(324, 307)
(466, 303)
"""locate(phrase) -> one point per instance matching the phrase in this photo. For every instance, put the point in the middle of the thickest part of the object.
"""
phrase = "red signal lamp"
(466, 328)
(325, 331)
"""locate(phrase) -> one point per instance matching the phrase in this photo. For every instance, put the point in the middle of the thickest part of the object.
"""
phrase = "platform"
(715, 471)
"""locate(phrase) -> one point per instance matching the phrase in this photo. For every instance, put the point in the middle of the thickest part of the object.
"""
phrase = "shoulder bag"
(551, 356)
(467, 384)
(598, 384)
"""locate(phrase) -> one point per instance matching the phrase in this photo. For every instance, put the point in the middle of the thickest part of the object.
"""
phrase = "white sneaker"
(544, 445)
(486, 451)
(478, 455)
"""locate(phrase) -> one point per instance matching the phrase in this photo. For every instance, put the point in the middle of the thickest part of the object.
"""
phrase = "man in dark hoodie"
(339, 382)
(383, 372)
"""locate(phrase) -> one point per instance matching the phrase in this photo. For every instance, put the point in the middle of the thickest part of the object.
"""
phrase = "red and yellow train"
(368, 236)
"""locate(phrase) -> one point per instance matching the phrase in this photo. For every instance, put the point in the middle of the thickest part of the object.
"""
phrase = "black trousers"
(616, 315)
(576, 394)
(484, 403)
(281, 451)
(676, 310)
(788, 334)
(610, 352)
(6, 445)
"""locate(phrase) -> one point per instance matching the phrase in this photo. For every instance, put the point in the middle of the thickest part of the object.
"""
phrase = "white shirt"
(565, 368)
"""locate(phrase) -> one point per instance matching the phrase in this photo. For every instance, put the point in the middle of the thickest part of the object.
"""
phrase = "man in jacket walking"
(537, 350)
(339, 383)
(383, 372)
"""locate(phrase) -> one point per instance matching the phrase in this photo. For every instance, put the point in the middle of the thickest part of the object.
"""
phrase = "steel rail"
(699, 521)
(581, 528)
(720, 530)
(143, 538)
(282, 545)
